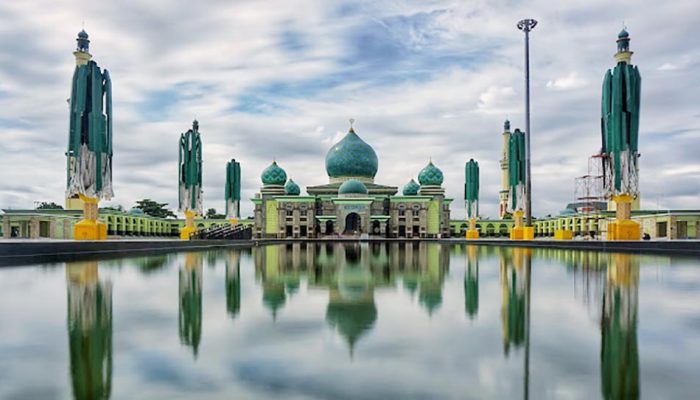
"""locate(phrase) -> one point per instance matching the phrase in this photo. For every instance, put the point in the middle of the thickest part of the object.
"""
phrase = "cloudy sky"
(428, 78)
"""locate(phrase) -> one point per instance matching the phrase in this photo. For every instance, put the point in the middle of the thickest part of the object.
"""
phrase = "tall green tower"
(232, 191)
(471, 196)
(516, 182)
(190, 178)
(89, 169)
(620, 137)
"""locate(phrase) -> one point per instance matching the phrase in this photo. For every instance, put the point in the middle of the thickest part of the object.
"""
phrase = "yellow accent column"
(189, 228)
(561, 233)
(517, 232)
(472, 233)
(89, 228)
(624, 228)
(520, 232)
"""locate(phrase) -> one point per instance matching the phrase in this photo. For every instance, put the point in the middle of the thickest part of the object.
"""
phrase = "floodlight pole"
(526, 25)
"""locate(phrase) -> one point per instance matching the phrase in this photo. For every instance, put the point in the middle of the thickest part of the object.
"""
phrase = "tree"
(49, 206)
(211, 214)
(154, 209)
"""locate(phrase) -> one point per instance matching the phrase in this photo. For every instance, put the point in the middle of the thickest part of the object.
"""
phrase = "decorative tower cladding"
(620, 137)
(89, 155)
(621, 98)
(505, 186)
(190, 178)
(471, 196)
(232, 191)
(516, 177)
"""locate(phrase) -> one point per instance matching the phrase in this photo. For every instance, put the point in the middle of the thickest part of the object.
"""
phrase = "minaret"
(82, 56)
(89, 151)
(623, 56)
(503, 194)
(623, 48)
(82, 51)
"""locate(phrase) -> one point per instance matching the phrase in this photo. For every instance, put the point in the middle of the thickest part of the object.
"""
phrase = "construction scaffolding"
(588, 189)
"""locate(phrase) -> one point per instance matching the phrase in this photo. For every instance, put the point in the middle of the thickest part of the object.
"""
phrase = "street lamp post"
(526, 25)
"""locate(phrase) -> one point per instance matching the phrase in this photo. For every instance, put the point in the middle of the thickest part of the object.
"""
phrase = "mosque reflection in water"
(350, 273)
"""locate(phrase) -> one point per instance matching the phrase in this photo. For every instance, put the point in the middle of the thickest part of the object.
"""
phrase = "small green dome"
(351, 157)
(623, 34)
(430, 176)
(352, 186)
(273, 175)
(411, 188)
(291, 188)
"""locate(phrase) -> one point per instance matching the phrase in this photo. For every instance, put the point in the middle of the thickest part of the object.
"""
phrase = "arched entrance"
(352, 223)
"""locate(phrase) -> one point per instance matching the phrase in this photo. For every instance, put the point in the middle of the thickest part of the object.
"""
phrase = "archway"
(352, 223)
(329, 227)
(490, 230)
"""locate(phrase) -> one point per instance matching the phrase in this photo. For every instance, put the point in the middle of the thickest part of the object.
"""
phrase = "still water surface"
(359, 321)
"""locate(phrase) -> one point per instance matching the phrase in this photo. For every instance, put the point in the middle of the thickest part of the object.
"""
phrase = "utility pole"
(526, 25)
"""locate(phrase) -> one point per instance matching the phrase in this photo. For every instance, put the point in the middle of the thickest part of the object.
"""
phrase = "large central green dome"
(351, 157)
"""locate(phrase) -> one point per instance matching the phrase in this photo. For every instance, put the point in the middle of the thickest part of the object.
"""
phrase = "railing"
(228, 232)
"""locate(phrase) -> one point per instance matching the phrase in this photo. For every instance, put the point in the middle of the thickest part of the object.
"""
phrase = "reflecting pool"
(353, 321)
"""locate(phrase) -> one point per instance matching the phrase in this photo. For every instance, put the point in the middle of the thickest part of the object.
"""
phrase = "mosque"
(351, 203)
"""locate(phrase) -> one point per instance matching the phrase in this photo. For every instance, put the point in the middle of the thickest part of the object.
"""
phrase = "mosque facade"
(351, 203)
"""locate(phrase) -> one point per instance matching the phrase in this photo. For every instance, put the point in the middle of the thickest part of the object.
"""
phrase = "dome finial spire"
(352, 122)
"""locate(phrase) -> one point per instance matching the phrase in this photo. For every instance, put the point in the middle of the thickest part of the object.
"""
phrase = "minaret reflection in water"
(190, 311)
(512, 274)
(233, 283)
(619, 357)
(89, 331)
(471, 283)
(515, 275)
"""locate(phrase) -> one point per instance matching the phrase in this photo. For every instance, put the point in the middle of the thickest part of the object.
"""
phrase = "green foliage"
(118, 207)
(49, 206)
(212, 214)
(154, 209)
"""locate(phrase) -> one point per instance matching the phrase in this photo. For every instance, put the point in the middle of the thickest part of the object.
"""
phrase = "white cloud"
(497, 100)
(571, 81)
